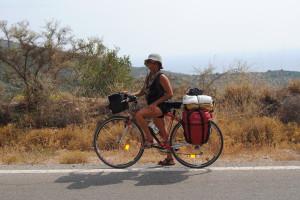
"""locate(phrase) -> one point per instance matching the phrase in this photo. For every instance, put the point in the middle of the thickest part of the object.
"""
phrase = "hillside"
(276, 77)
(142, 71)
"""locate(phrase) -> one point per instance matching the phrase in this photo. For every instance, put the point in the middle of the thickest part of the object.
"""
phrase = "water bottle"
(152, 126)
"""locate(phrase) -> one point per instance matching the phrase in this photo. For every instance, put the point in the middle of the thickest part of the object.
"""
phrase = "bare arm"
(139, 93)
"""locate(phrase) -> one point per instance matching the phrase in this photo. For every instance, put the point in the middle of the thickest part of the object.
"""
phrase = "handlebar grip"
(129, 98)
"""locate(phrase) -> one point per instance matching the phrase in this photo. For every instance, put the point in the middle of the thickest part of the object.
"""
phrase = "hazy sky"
(187, 34)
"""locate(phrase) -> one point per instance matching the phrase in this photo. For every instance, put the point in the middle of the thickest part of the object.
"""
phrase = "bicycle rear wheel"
(117, 144)
(196, 156)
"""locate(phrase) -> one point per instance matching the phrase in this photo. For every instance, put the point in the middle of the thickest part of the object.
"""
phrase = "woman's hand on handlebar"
(126, 92)
(130, 94)
(130, 97)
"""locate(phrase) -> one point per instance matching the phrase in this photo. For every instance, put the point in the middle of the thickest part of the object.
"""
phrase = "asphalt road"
(273, 180)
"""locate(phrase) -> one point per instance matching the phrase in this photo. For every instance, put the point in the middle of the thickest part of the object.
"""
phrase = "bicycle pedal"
(148, 146)
(164, 151)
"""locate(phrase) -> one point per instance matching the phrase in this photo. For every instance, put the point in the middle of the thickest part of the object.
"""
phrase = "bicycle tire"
(112, 153)
(196, 156)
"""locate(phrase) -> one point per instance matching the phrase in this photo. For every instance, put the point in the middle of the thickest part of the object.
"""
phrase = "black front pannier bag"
(117, 103)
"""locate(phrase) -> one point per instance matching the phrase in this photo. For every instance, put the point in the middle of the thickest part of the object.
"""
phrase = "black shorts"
(163, 108)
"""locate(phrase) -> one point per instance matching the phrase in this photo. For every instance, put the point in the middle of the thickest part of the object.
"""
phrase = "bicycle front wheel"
(118, 144)
(196, 156)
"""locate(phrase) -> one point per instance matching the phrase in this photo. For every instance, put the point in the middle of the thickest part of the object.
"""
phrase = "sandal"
(148, 144)
(166, 162)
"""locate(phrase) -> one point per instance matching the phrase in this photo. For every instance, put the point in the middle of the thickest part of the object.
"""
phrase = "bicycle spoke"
(118, 145)
(196, 156)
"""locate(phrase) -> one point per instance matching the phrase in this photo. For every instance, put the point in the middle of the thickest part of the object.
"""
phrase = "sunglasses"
(152, 62)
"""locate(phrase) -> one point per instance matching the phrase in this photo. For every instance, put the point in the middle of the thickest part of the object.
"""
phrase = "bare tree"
(35, 58)
(207, 77)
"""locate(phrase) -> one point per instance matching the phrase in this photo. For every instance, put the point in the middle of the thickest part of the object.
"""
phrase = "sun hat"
(155, 57)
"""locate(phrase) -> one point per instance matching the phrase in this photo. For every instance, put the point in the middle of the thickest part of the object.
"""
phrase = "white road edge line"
(80, 171)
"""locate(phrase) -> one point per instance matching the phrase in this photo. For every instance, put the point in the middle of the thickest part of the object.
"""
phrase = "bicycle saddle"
(174, 104)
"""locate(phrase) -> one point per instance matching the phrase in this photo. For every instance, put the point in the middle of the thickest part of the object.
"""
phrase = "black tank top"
(156, 90)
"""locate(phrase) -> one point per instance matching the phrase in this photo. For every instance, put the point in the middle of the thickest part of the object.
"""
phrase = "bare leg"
(145, 113)
(160, 123)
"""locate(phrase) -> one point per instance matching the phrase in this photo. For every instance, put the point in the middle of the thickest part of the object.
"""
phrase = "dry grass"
(257, 138)
(74, 157)
(10, 155)
(71, 138)
(29, 146)
(258, 123)
(260, 131)
(294, 86)
(260, 154)
(11, 159)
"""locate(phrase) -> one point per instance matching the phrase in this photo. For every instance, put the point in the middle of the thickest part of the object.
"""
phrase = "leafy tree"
(101, 71)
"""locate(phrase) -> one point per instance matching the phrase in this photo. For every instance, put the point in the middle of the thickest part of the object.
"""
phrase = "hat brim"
(145, 62)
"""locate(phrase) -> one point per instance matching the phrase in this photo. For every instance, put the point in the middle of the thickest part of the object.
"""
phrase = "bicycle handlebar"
(130, 98)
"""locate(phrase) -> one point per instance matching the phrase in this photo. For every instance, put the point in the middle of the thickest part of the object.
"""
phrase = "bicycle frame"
(161, 145)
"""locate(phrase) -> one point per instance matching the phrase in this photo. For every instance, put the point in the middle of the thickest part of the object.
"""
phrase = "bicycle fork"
(127, 126)
(123, 134)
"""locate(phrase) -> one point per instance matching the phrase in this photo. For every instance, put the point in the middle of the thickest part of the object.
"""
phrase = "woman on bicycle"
(156, 89)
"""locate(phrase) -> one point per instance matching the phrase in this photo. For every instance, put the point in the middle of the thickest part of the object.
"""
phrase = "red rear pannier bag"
(196, 124)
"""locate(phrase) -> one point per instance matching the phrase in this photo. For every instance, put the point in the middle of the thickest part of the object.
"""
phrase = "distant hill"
(276, 77)
(142, 71)
(281, 73)
(4, 44)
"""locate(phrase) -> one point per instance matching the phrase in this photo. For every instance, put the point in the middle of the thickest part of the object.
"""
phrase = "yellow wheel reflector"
(193, 156)
(127, 146)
